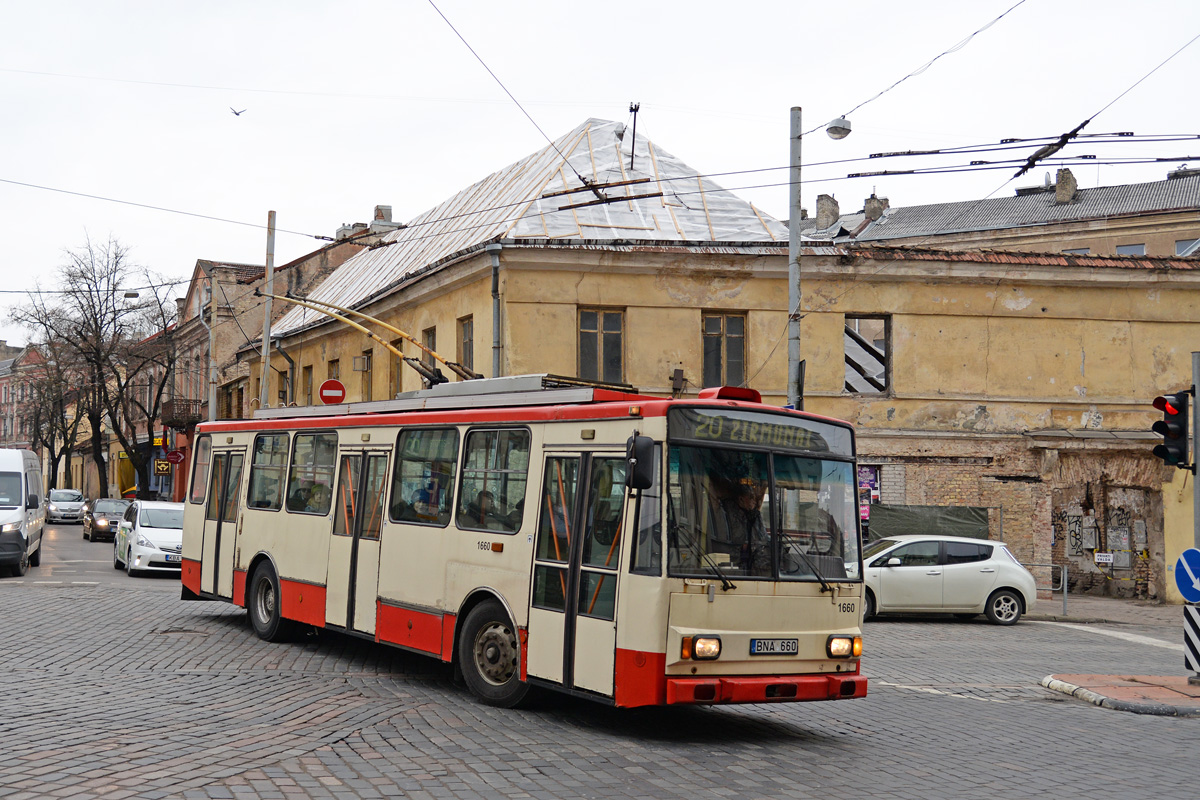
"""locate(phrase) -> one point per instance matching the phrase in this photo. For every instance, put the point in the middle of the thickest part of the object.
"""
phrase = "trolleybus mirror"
(639, 452)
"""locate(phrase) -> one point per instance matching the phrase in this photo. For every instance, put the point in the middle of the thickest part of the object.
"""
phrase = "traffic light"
(1173, 427)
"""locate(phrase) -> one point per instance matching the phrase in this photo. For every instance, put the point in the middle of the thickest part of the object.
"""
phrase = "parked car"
(22, 511)
(101, 516)
(946, 574)
(149, 538)
(65, 505)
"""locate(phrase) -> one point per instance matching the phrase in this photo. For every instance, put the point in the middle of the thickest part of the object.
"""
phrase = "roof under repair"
(511, 204)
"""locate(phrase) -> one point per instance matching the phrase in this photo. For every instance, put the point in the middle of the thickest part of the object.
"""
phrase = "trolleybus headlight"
(700, 648)
(844, 646)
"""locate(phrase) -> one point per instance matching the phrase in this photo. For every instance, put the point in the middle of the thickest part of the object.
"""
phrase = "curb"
(1096, 699)
(1079, 620)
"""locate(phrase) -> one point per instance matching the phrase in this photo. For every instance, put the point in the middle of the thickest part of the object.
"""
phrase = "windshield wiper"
(694, 544)
(825, 585)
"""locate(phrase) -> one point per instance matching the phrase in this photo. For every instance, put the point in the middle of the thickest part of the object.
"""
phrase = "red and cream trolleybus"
(537, 532)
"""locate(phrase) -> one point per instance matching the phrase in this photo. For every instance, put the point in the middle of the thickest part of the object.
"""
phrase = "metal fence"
(1061, 586)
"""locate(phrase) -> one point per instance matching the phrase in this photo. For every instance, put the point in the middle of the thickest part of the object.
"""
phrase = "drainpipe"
(494, 251)
(291, 393)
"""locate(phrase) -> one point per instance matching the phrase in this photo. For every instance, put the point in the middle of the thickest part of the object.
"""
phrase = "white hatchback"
(149, 538)
(946, 574)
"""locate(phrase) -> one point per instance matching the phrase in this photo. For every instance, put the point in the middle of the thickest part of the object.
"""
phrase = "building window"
(724, 340)
(395, 367)
(333, 369)
(867, 345)
(601, 335)
(466, 343)
(1186, 247)
(429, 339)
(363, 365)
(1131, 249)
(1078, 251)
(308, 385)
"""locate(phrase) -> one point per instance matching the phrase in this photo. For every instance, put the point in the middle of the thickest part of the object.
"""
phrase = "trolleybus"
(536, 532)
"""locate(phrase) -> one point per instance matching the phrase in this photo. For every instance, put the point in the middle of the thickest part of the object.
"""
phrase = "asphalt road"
(112, 688)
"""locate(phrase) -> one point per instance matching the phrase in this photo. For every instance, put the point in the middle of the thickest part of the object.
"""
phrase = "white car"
(66, 505)
(149, 538)
(946, 574)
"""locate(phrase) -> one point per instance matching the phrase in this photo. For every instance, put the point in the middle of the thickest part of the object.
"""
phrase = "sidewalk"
(1139, 694)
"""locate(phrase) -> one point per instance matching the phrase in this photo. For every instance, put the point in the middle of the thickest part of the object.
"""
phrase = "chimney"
(827, 211)
(1065, 186)
(874, 207)
(383, 213)
(179, 301)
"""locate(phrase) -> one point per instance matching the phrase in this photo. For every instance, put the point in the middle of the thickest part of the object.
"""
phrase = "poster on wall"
(868, 490)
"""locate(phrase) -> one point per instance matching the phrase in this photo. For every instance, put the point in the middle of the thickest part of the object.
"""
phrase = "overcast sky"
(352, 104)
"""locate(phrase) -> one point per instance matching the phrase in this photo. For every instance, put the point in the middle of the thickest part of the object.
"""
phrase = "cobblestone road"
(112, 688)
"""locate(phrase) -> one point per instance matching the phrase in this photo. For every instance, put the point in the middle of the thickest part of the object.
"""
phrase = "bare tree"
(122, 345)
(54, 406)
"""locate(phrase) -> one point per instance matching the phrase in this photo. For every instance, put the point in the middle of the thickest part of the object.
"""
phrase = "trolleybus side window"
(646, 554)
(200, 473)
(310, 480)
(226, 481)
(495, 471)
(423, 483)
(267, 468)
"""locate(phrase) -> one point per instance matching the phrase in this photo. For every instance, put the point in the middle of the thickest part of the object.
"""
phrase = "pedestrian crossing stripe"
(1191, 638)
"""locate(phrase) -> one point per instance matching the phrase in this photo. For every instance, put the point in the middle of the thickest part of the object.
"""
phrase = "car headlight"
(144, 542)
(700, 648)
(844, 646)
(9, 527)
(52, 507)
(100, 523)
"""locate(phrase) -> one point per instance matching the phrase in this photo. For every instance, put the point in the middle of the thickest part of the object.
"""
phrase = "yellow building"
(1011, 383)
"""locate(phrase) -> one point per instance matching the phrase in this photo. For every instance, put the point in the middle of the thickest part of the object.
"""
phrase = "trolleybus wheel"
(489, 655)
(264, 604)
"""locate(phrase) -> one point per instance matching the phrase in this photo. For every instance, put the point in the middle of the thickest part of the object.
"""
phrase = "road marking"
(1129, 637)
(931, 690)
(47, 581)
(85, 583)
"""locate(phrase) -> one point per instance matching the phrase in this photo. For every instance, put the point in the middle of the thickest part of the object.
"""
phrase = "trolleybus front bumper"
(765, 688)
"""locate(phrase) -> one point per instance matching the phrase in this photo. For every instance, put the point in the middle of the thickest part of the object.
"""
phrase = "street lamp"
(837, 129)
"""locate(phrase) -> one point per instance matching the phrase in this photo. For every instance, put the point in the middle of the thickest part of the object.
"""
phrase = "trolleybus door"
(221, 513)
(352, 582)
(572, 619)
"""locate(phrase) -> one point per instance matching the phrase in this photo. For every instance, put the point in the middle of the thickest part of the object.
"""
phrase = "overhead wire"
(927, 64)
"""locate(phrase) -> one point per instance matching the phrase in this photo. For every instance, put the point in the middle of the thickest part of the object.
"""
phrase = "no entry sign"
(332, 392)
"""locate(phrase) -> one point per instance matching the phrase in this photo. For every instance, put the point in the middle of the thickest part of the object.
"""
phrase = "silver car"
(65, 505)
(946, 574)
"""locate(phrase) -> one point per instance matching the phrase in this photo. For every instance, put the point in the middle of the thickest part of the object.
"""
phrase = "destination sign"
(756, 429)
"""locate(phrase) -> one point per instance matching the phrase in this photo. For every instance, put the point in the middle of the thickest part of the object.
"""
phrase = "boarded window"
(867, 346)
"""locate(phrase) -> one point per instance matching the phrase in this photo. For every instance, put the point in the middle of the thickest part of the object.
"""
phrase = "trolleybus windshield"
(755, 495)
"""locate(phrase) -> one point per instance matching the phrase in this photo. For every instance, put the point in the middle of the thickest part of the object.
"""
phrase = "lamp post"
(837, 129)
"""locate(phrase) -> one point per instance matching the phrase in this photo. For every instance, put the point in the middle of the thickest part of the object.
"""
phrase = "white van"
(22, 511)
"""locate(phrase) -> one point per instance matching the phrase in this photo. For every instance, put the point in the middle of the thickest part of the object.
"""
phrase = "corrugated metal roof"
(509, 204)
(996, 213)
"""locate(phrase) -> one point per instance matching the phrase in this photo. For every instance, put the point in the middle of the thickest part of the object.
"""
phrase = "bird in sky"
(237, 113)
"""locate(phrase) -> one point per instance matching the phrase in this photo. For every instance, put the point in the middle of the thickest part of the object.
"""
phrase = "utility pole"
(264, 391)
(795, 377)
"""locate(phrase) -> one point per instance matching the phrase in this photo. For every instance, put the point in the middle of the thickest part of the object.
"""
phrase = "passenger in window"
(318, 499)
(427, 501)
(481, 512)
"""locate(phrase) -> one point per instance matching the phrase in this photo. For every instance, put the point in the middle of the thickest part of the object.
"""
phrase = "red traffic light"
(1166, 404)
